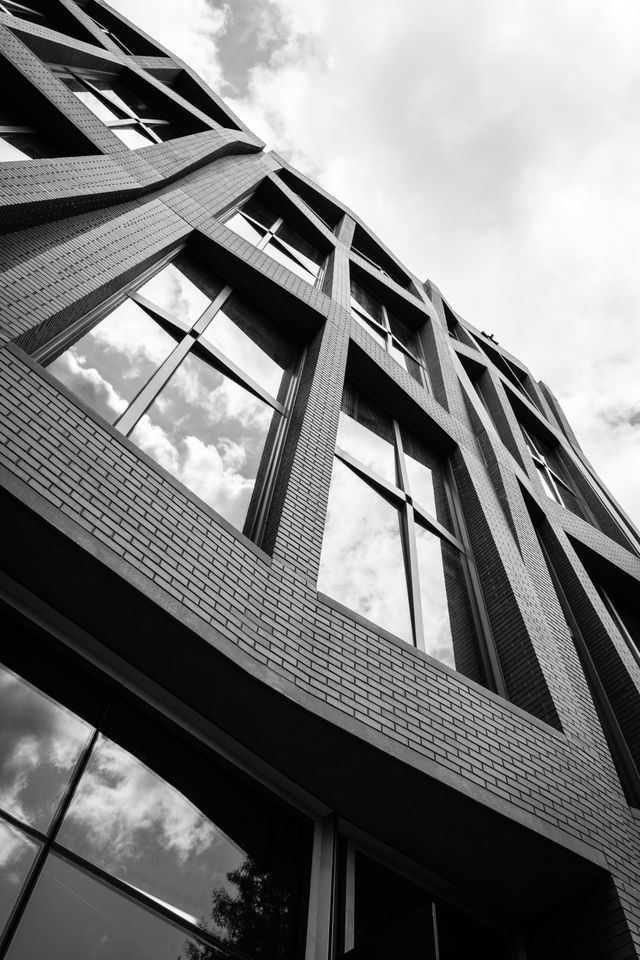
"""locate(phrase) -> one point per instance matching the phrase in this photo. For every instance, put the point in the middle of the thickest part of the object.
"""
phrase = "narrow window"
(391, 549)
(549, 471)
(198, 378)
(268, 231)
(389, 331)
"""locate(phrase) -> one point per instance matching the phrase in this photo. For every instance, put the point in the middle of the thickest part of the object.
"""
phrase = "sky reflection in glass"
(174, 292)
(367, 434)
(110, 364)
(133, 137)
(245, 229)
(433, 596)
(277, 252)
(40, 745)
(130, 822)
(209, 432)
(362, 563)
(72, 916)
(253, 343)
(17, 853)
(420, 464)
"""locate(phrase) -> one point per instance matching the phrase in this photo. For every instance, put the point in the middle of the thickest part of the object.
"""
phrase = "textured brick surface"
(541, 749)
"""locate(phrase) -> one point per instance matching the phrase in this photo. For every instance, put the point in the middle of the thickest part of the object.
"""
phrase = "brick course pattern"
(77, 229)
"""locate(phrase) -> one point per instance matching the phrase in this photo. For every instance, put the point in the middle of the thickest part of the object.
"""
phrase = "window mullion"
(147, 395)
(413, 575)
(371, 477)
(401, 465)
(236, 373)
(436, 527)
(162, 316)
(203, 322)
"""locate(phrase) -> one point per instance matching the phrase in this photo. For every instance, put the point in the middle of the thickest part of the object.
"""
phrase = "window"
(263, 227)
(554, 486)
(390, 332)
(120, 839)
(391, 549)
(112, 36)
(387, 915)
(198, 378)
(25, 12)
(128, 114)
(19, 141)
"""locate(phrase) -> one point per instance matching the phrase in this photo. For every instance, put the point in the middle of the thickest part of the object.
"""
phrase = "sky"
(493, 146)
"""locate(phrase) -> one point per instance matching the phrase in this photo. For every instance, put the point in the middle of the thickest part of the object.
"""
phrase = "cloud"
(494, 148)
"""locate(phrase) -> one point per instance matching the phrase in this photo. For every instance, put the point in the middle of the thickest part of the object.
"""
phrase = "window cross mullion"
(104, 96)
(237, 374)
(373, 478)
(436, 527)
(162, 316)
(149, 392)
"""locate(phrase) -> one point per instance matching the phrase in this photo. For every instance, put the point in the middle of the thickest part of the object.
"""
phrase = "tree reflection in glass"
(247, 338)
(137, 827)
(362, 562)
(111, 363)
(40, 745)
(17, 853)
(209, 432)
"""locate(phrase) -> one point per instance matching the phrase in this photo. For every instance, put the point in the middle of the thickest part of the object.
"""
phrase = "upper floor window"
(19, 141)
(390, 332)
(555, 487)
(268, 231)
(128, 114)
(391, 549)
(112, 35)
(25, 12)
(198, 378)
(142, 843)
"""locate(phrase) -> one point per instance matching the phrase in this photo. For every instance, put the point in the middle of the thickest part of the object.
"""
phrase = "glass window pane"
(277, 252)
(393, 917)
(421, 465)
(129, 101)
(133, 137)
(366, 433)
(133, 824)
(40, 745)
(109, 365)
(402, 333)
(310, 256)
(174, 290)
(166, 131)
(367, 303)
(362, 563)
(433, 596)
(245, 229)
(252, 342)
(92, 100)
(210, 433)
(549, 489)
(73, 916)
(371, 330)
(406, 362)
(17, 854)
(24, 146)
(264, 215)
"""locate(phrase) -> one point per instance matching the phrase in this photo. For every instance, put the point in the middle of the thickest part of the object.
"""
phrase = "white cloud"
(494, 147)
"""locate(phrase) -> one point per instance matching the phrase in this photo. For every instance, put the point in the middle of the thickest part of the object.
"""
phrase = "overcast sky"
(494, 147)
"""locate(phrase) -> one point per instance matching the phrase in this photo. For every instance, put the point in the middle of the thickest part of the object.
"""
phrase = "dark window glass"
(40, 745)
(368, 304)
(17, 853)
(247, 338)
(304, 250)
(73, 916)
(24, 146)
(393, 917)
(461, 936)
(366, 433)
(109, 365)
(209, 432)
(26, 13)
(362, 564)
(259, 212)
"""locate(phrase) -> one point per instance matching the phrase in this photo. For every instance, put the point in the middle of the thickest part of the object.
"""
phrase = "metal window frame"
(364, 318)
(270, 236)
(412, 512)
(188, 339)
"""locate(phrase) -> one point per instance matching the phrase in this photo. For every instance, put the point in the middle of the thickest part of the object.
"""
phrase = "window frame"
(457, 537)
(548, 476)
(186, 336)
(385, 331)
(270, 233)
(145, 126)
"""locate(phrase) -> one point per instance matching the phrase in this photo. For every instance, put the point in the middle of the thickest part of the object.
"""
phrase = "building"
(320, 634)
